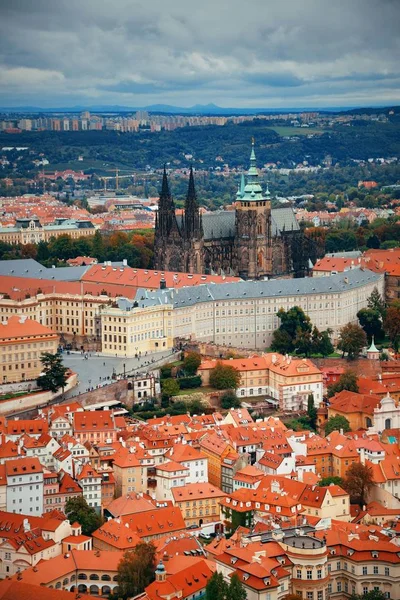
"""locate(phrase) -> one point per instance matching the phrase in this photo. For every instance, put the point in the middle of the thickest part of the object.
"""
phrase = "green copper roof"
(252, 190)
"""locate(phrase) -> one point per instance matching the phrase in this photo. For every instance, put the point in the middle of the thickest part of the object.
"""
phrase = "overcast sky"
(247, 53)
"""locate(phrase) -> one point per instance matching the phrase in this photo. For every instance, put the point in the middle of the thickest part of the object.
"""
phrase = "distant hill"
(197, 109)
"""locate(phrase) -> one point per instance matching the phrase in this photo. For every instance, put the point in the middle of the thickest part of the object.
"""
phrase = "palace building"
(253, 240)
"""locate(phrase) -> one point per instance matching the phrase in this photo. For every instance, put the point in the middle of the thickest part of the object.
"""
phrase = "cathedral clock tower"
(253, 241)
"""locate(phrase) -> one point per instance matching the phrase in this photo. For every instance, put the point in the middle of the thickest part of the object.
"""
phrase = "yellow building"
(30, 231)
(22, 341)
(130, 330)
(199, 503)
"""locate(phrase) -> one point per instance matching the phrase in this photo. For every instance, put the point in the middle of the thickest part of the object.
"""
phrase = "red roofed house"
(96, 427)
(199, 503)
(357, 408)
(185, 584)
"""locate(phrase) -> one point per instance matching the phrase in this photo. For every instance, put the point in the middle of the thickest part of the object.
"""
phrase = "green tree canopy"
(236, 589)
(347, 381)
(325, 481)
(216, 588)
(376, 302)
(54, 374)
(77, 509)
(136, 570)
(230, 400)
(370, 321)
(352, 339)
(191, 363)
(358, 482)
(224, 377)
(281, 342)
(337, 423)
(371, 595)
(169, 387)
(311, 411)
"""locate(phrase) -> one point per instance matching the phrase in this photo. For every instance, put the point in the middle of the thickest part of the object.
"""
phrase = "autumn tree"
(136, 570)
(347, 381)
(337, 423)
(391, 325)
(352, 339)
(224, 377)
(358, 482)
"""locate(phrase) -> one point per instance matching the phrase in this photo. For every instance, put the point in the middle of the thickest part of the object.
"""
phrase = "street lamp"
(124, 370)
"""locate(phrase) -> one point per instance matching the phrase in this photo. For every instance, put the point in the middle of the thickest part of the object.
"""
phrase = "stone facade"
(251, 240)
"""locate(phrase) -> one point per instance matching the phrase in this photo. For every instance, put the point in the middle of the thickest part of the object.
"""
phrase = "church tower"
(253, 241)
(168, 242)
(193, 230)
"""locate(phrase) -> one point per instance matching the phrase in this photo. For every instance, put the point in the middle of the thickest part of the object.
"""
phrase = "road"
(97, 369)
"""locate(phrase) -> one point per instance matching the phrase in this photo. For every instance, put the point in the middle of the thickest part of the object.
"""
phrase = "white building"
(25, 486)
(386, 414)
(169, 475)
(193, 460)
(90, 482)
(244, 313)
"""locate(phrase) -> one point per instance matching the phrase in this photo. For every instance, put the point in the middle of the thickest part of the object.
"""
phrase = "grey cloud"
(131, 52)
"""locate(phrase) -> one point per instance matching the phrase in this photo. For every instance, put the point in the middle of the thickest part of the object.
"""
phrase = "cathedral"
(250, 239)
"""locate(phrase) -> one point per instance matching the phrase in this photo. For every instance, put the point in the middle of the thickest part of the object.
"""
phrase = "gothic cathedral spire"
(193, 221)
(166, 208)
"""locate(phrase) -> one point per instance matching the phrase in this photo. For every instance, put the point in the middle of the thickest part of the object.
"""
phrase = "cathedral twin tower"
(249, 239)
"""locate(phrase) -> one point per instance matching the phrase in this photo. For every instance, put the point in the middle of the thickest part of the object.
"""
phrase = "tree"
(347, 381)
(54, 374)
(293, 332)
(77, 509)
(391, 325)
(136, 570)
(325, 481)
(370, 321)
(169, 387)
(358, 482)
(376, 302)
(236, 590)
(230, 400)
(216, 588)
(191, 363)
(352, 339)
(371, 595)
(321, 342)
(311, 410)
(337, 423)
(224, 377)
(281, 342)
(303, 342)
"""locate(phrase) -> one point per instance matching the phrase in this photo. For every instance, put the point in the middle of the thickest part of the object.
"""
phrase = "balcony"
(151, 483)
